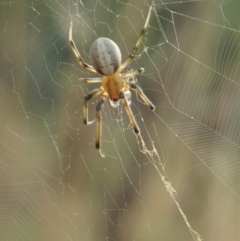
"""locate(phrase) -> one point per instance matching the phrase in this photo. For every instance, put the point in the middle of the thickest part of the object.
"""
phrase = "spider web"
(179, 180)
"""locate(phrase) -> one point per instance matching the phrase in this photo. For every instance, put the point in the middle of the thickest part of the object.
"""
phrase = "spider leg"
(91, 81)
(135, 48)
(99, 125)
(77, 54)
(129, 113)
(85, 105)
(142, 95)
(133, 73)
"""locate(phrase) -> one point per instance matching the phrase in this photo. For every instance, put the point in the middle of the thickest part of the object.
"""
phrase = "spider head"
(106, 56)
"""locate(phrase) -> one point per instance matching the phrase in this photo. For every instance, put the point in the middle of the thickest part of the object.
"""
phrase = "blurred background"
(54, 185)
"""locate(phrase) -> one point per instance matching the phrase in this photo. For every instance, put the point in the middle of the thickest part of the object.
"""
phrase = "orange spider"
(115, 85)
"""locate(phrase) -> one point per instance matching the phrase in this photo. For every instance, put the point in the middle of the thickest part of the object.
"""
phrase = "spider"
(115, 85)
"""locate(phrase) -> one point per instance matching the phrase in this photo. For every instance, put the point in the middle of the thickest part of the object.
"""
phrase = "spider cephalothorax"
(115, 85)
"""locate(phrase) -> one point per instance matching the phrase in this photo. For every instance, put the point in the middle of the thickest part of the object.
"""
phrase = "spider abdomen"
(106, 56)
